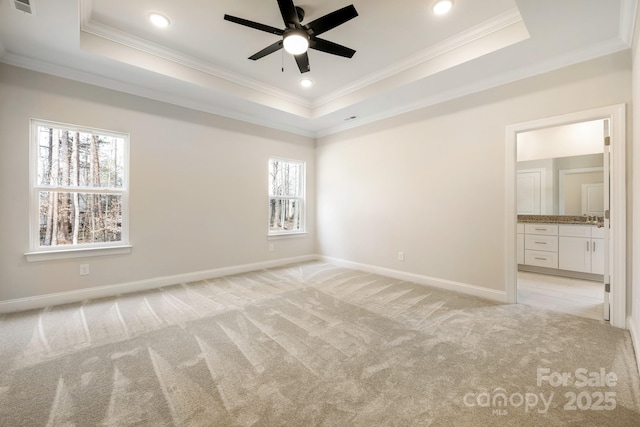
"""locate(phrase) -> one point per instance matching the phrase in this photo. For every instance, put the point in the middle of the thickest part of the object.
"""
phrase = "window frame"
(42, 253)
(302, 191)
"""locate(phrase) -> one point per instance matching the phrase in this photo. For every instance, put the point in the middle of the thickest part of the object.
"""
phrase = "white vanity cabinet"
(541, 245)
(581, 248)
(597, 256)
(561, 246)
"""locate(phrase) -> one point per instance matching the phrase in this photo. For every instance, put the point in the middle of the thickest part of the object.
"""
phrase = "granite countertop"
(560, 219)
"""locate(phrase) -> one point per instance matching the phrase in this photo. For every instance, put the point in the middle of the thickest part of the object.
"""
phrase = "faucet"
(595, 220)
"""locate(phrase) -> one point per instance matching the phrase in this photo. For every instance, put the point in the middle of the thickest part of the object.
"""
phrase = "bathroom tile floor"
(574, 296)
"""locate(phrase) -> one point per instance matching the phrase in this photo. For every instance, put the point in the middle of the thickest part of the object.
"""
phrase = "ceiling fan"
(297, 38)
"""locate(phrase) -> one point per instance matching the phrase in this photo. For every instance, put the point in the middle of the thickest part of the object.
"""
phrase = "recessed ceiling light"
(442, 7)
(306, 82)
(159, 20)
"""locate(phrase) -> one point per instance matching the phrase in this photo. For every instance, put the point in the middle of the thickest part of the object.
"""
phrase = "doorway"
(614, 223)
(560, 207)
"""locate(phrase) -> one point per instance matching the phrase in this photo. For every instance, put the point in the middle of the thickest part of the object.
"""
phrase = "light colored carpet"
(305, 345)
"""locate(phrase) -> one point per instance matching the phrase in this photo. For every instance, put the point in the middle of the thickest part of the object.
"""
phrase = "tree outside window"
(286, 196)
(79, 186)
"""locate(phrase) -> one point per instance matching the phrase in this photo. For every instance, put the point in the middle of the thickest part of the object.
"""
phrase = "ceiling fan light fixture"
(442, 7)
(296, 42)
(159, 20)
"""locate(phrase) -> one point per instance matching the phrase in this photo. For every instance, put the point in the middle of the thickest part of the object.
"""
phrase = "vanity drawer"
(549, 229)
(541, 243)
(541, 259)
(575, 230)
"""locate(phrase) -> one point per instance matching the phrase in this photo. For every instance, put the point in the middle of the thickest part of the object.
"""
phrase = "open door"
(607, 221)
(615, 221)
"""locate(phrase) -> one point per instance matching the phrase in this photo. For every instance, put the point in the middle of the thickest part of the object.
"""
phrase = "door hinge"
(607, 287)
(607, 214)
(607, 141)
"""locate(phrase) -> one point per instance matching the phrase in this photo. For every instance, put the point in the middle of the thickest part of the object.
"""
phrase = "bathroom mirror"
(560, 170)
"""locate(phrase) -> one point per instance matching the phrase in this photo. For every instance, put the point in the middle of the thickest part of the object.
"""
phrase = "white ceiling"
(406, 57)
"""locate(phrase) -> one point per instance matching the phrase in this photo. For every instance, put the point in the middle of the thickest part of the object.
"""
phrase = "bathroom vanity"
(558, 244)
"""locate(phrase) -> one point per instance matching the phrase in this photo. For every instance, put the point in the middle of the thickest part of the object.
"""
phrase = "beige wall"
(431, 183)
(198, 186)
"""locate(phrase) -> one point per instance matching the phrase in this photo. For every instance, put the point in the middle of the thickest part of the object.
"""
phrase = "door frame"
(618, 209)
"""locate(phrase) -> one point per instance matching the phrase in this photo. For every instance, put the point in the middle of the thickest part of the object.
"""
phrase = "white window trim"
(303, 196)
(288, 235)
(77, 253)
(46, 253)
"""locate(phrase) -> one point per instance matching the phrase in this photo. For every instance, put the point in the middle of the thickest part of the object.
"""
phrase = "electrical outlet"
(270, 247)
(84, 269)
(400, 256)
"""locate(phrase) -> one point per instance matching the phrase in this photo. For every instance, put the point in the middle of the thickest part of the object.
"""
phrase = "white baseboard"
(478, 291)
(41, 301)
(634, 330)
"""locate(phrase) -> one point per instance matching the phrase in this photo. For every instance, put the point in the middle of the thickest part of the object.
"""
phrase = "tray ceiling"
(406, 57)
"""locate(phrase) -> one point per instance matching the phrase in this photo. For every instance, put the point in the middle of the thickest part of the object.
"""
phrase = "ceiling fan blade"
(289, 13)
(331, 47)
(255, 25)
(303, 62)
(332, 20)
(267, 50)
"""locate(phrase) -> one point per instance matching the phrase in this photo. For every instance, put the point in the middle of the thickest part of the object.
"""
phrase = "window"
(286, 196)
(79, 187)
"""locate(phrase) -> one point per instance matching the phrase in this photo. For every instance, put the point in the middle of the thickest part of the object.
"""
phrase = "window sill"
(77, 253)
(293, 235)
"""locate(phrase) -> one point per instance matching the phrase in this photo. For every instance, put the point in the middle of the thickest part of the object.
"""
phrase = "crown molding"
(606, 48)
(108, 83)
(128, 40)
(627, 21)
(98, 29)
(628, 11)
(478, 32)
